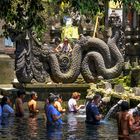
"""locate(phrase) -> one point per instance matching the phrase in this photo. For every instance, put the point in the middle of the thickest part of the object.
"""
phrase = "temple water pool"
(74, 128)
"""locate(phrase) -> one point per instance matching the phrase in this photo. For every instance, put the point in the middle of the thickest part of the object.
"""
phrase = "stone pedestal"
(65, 90)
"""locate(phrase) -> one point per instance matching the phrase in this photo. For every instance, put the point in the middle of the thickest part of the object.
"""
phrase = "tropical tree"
(24, 14)
(94, 6)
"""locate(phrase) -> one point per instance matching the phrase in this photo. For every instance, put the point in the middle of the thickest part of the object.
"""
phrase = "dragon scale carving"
(24, 72)
(99, 65)
(91, 57)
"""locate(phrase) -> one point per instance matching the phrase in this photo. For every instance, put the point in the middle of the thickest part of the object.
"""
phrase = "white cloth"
(132, 110)
(71, 103)
(64, 48)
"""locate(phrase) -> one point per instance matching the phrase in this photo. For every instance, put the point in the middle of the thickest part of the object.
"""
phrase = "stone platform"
(65, 90)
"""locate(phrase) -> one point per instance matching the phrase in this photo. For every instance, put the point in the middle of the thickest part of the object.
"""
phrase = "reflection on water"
(78, 130)
(33, 126)
(54, 133)
(74, 128)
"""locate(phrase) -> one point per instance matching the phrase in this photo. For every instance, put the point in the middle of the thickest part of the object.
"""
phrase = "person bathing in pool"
(93, 115)
(125, 121)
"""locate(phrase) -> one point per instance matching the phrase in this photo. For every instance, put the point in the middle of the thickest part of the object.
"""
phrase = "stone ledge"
(4, 56)
(54, 85)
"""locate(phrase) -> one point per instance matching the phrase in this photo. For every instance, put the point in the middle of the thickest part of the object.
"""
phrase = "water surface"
(74, 128)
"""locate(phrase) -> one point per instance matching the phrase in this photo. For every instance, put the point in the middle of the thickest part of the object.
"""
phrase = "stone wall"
(6, 70)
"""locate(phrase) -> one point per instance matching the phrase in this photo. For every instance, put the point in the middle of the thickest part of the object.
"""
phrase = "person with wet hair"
(32, 104)
(52, 114)
(93, 116)
(19, 110)
(47, 101)
(125, 121)
(7, 110)
(57, 104)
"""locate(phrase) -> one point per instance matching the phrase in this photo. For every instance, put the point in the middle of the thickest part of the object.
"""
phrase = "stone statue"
(91, 57)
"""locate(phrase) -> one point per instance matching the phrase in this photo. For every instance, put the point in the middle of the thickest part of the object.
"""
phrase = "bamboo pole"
(96, 25)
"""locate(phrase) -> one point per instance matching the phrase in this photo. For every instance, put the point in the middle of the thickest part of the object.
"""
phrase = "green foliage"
(137, 6)
(133, 3)
(94, 6)
(87, 7)
(22, 14)
(125, 81)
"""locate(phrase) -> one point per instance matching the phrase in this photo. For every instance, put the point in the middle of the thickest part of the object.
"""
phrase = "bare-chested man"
(125, 122)
(32, 104)
(19, 103)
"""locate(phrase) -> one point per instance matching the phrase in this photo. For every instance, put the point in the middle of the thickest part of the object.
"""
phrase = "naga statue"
(91, 57)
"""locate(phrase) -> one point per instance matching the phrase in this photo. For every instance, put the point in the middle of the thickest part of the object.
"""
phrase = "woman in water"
(7, 110)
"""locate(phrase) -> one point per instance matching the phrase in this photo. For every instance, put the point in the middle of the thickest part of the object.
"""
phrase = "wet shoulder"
(18, 101)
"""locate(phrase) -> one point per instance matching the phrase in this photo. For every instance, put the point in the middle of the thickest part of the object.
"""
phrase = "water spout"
(112, 109)
(110, 112)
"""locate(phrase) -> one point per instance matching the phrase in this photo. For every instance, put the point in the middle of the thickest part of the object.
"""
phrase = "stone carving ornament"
(91, 57)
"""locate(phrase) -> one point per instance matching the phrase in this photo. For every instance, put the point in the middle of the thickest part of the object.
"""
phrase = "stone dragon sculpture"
(91, 57)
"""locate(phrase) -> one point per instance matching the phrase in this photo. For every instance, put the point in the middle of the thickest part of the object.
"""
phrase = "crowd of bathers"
(128, 120)
(52, 104)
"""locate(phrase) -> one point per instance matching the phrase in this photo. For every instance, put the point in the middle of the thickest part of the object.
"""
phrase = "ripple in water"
(74, 128)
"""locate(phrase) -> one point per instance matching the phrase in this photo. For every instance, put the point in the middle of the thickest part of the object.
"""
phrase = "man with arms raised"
(93, 115)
